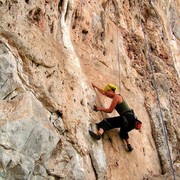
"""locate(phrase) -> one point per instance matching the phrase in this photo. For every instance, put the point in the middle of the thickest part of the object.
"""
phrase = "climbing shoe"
(129, 147)
(94, 135)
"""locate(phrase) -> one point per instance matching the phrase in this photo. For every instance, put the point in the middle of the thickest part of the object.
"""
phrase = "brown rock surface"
(50, 53)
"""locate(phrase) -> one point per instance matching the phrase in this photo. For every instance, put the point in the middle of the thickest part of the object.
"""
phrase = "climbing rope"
(156, 89)
(117, 42)
(118, 53)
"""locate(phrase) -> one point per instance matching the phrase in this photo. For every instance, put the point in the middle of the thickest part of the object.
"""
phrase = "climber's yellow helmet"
(110, 87)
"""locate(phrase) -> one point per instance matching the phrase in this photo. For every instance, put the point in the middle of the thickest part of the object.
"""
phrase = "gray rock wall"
(50, 53)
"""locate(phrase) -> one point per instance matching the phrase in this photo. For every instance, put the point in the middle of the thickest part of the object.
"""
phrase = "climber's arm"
(99, 89)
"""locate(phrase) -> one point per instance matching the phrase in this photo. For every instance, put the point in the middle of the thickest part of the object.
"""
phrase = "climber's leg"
(124, 135)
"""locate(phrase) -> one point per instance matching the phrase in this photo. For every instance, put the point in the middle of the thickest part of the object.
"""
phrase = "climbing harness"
(157, 94)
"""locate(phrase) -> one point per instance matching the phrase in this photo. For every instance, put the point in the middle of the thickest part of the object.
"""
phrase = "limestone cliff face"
(50, 53)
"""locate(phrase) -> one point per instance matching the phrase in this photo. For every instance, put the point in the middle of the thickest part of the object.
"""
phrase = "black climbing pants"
(126, 123)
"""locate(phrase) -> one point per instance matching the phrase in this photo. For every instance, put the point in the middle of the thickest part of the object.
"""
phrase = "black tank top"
(122, 107)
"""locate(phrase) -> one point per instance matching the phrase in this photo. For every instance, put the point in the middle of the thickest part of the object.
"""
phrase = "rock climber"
(126, 121)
